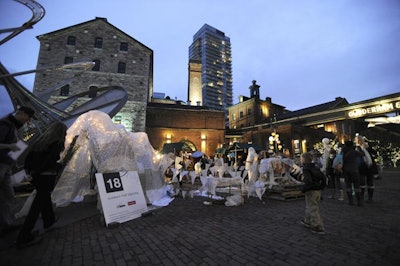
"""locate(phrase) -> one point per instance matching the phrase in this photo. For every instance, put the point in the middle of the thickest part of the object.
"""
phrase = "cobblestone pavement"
(260, 232)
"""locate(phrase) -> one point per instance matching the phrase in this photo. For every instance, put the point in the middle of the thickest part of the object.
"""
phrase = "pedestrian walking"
(42, 165)
(9, 126)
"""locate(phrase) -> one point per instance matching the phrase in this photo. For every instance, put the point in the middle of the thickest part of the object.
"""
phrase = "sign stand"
(121, 195)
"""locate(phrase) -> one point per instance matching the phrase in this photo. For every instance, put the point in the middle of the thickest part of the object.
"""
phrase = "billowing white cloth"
(252, 165)
(109, 148)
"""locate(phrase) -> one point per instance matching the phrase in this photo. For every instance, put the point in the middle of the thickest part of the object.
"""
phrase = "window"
(117, 119)
(68, 60)
(96, 66)
(98, 42)
(64, 90)
(234, 117)
(249, 111)
(71, 40)
(121, 67)
(123, 46)
(241, 114)
(92, 91)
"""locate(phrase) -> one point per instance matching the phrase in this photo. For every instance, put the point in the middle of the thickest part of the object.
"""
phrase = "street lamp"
(274, 142)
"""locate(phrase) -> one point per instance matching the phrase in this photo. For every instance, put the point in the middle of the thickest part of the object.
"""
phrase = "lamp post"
(274, 142)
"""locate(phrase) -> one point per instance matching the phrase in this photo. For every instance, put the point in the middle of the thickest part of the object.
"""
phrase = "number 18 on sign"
(121, 196)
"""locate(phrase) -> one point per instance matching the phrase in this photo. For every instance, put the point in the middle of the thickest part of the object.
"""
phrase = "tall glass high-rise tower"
(213, 49)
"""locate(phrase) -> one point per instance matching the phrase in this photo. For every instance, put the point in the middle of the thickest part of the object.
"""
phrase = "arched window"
(71, 40)
(96, 66)
(92, 91)
(121, 67)
(64, 90)
(98, 42)
(188, 145)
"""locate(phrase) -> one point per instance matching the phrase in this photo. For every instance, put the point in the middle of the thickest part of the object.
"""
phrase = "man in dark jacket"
(314, 181)
(8, 139)
(366, 171)
(352, 161)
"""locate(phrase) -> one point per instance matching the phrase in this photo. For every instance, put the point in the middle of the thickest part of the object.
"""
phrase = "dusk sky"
(302, 53)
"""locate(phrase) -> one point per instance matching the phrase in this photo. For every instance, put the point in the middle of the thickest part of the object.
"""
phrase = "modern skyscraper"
(213, 49)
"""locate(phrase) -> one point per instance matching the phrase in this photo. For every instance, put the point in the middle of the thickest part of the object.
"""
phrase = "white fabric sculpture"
(252, 165)
(325, 154)
(109, 148)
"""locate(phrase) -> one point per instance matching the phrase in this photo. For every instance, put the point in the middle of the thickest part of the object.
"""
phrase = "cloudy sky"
(302, 53)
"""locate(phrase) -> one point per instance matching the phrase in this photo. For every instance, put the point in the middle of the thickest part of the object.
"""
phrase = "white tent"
(109, 148)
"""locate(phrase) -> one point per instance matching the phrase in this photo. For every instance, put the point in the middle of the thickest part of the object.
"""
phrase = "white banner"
(121, 196)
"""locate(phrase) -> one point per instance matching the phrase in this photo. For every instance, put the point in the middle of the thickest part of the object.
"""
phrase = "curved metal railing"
(38, 13)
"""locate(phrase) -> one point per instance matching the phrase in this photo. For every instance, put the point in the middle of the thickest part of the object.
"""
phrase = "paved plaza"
(260, 232)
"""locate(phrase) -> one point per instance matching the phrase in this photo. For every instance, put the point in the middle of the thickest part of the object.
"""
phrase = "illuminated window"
(117, 119)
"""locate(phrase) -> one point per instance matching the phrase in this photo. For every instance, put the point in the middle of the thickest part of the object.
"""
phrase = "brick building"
(298, 131)
(201, 128)
(252, 111)
(119, 60)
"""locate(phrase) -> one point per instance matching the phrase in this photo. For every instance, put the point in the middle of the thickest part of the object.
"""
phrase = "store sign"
(375, 109)
(121, 196)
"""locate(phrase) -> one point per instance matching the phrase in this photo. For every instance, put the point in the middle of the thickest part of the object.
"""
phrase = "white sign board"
(121, 196)
(21, 146)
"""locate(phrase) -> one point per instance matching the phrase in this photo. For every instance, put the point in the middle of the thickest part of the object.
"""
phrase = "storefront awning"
(172, 147)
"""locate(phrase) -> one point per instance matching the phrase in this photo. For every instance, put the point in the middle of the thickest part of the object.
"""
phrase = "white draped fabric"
(109, 148)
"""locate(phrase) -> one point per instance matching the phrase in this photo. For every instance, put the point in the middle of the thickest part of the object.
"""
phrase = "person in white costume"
(325, 154)
(252, 165)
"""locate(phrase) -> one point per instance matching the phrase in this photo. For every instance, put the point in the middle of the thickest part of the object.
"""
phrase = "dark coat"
(8, 135)
(352, 160)
(363, 167)
(313, 178)
(46, 160)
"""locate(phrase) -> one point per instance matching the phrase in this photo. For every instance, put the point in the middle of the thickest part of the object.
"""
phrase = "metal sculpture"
(110, 101)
